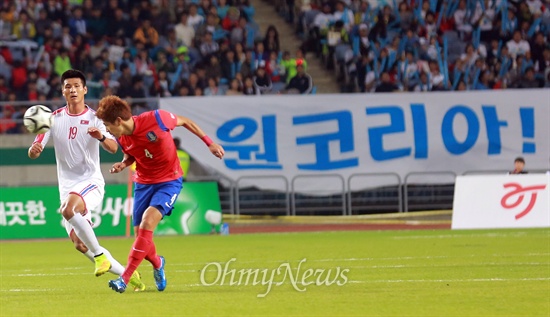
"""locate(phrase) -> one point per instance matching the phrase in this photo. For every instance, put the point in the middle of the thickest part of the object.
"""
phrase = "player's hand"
(217, 150)
(95, 133)
(35, 150)
(117, 168)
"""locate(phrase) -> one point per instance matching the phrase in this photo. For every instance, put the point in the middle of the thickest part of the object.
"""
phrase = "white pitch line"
(400, 266)
(472, 235)
(202, 264)
(470, 280)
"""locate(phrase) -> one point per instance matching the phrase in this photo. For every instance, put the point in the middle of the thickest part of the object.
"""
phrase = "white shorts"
(92, 195)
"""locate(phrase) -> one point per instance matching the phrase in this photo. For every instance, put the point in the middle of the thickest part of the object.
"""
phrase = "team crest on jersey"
(151, 136)
(84, 121)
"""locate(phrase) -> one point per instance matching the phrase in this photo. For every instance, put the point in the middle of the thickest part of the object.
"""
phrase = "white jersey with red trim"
(76, 152)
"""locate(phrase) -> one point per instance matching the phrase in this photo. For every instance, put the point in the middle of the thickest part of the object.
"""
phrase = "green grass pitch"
(391, 273)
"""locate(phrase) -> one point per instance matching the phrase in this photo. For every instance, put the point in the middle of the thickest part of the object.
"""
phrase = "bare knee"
(67, 211)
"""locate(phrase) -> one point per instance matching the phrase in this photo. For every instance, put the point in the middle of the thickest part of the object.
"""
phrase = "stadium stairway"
(266, 15)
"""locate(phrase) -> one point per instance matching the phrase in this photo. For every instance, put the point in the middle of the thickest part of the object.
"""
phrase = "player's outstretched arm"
(35, 150)
(108, 145)
(216, 149)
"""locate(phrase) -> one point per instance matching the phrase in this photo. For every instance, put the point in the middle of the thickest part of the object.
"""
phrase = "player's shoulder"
(59, 111)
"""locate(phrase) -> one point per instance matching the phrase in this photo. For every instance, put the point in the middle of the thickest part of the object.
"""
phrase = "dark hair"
(519, 159)
(73, 73)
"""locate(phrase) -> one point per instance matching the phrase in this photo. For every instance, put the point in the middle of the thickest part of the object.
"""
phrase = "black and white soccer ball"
(38, 119)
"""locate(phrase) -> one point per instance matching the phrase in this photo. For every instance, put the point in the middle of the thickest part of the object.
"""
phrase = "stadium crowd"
(140, 49)
(429, 45)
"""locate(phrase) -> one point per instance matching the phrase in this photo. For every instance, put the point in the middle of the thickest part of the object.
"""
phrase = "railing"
(313, 202)
(274, 203)
(430, 195)
(353, 196)
(381, 199)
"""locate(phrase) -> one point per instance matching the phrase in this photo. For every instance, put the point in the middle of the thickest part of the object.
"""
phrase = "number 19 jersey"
(76, 152)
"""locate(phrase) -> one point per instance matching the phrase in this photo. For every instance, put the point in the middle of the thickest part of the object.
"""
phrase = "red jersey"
(153, 148)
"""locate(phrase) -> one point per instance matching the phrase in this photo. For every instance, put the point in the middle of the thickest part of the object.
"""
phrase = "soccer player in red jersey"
(147, 141)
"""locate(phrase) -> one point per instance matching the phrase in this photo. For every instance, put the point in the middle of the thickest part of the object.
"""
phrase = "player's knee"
(67, 212)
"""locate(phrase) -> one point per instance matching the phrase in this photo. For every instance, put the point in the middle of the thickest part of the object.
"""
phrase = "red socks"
(143, 248)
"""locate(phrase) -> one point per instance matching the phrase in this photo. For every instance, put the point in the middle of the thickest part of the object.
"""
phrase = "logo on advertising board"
(515, 197)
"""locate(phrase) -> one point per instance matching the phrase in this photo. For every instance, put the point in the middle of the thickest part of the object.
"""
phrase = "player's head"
(73, 73)
(114, 111)
(73, 86)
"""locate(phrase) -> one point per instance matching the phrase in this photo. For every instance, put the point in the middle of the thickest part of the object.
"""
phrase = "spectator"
(7, 123)
(386, 85)
(194, 19)
(519, 165)
(138, 92)
(271, 40)
(107, 82)
(528, 80)
(234, 88)
(24, 28)
(249, 89)
(517, 45)
(62, 62)
(302, 82)
(161, 86)
(160, 18)
(262, 81)
(231, 20)
(96, 25)
(213, 69)
(117, 25)
(170, 43)
(229, 66)
(125, 81)
(185, 32)
(208, 45)
(222, 8)
(147, 35)
(213, 89)
(211, 26)
(133, 23)
(163, 64)
(77, 24)
(193, 83)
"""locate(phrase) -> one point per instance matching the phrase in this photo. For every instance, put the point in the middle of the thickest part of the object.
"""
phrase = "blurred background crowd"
(163, 48)
(428, 45)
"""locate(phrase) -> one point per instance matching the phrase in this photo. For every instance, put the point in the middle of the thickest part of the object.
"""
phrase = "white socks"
(85, 232)
(116, 268)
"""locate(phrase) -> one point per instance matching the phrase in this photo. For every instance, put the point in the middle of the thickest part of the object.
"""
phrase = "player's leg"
(144, 241)
(163, 201)
(161, 198)
(74, 211)
(116, 267)
(142, 197)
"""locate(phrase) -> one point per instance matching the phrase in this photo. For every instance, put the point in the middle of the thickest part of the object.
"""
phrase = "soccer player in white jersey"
(77, 135)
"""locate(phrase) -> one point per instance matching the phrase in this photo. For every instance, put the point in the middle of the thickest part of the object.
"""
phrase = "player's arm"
(120, 166)
(190, 125)
(35, 150)
(107, 144)
(38, 145)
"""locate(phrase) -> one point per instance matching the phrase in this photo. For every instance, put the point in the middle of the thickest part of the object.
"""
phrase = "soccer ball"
(38, 119)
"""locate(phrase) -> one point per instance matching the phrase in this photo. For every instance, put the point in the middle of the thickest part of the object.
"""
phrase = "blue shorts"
(161, 196)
